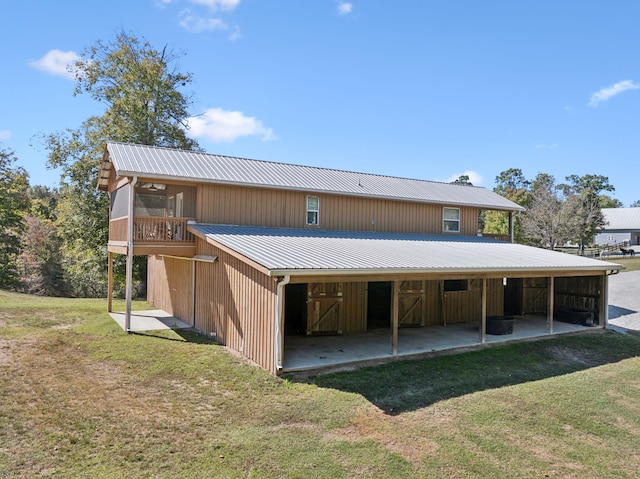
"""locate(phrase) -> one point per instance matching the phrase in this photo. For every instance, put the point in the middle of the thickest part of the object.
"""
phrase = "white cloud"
(195, 24)
(215, 5)
(235, 34)
(5, 135)
(219, 125)
(610, 91)
(344, 8)
(57, 63)
(475, 178)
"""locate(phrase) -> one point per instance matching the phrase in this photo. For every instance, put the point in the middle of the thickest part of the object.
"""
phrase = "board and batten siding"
(240, 205)
(169, 286)
(238, 304)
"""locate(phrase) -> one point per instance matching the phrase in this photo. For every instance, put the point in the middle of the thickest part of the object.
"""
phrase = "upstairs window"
(313, 210)
(451, 220)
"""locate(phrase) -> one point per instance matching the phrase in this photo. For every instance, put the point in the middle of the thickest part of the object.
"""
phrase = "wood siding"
(238, 304)
(238, 205)
(169, 286)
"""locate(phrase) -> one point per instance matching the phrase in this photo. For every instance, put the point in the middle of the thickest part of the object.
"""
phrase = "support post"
(483, 314)
(129, 270)
(550, 304)
(279, 325)
(604, 301)
(110, 281)
(512, 233)
(395, 307)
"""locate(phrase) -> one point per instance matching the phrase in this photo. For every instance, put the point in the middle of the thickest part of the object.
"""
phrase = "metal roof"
(171, 164)
(315, 251)
(621, 218)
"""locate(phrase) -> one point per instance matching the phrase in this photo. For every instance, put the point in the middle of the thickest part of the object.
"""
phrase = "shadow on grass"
(185, 335)
(413, 384)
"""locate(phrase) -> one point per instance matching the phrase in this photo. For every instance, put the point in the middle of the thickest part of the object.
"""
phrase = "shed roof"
(621, 218)
(314, 251)
(171, 164)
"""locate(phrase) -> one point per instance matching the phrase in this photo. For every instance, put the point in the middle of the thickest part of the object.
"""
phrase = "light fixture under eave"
(153, 186)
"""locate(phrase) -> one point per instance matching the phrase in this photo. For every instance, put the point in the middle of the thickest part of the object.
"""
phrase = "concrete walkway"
(150, 320)
(624, 301)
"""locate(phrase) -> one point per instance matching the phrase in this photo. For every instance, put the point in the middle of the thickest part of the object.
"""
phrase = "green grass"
(81, 398)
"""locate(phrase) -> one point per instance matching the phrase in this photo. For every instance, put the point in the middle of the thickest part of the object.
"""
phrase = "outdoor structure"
(297, 267)
(622, 227)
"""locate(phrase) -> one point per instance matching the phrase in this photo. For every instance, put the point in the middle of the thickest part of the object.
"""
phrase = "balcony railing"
(152, 229)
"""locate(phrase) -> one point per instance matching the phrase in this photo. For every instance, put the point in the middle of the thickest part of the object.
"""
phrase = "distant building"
(622, 226)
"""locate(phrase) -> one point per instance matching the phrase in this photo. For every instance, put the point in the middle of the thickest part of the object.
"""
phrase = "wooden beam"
(550, 304)
(395, 307)
(110, 281)
(483, 314)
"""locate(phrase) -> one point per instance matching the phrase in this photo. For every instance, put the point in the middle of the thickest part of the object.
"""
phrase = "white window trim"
(316, 211)
(444, 220)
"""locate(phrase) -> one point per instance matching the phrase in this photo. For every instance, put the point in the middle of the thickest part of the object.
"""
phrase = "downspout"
(129, 272)
(279, 322)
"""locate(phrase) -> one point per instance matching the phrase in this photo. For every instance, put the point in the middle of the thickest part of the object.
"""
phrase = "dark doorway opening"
(379, 305)
(513, 297)
(295, 309)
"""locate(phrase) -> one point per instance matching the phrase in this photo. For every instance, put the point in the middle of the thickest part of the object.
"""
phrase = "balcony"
(152, 235)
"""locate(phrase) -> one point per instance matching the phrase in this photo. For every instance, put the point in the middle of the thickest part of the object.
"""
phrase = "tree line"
(53, 241)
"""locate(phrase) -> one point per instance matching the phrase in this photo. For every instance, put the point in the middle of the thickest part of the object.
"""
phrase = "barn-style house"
(296, 267)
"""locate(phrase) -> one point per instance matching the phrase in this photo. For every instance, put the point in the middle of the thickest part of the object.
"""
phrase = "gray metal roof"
(314, 251)
(171, 164)
(621, 218)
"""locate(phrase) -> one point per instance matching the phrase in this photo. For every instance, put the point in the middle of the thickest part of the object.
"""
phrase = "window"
(313, 209)
(456, 285)
(451, 220)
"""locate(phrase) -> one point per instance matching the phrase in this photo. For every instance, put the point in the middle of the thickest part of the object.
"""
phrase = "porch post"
(394, 319)
(483, 314)
(512, 233)
(110, 281)
(193, 293)
(129, 270)
(550, 305)
(604, 301)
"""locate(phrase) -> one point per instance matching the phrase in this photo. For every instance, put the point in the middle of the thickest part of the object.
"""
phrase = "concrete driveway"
(624, 300)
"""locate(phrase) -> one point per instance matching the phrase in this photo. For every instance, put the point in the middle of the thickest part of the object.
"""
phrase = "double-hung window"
(313, 210)
(451, 220)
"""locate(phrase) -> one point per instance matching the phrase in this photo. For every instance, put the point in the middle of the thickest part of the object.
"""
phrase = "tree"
(635, 204)
(14, 202)
(462, 180)
(584, 198)
(548, 222)
(514, 186)
(140, 88)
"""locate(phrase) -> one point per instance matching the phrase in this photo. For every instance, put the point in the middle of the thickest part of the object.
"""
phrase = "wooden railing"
(151, 229)
(500, 237)
(162, 229)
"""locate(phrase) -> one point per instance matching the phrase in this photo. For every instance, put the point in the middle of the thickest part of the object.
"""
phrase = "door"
(324, 308)
(411, 303)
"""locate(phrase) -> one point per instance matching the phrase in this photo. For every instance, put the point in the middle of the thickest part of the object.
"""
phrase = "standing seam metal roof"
(621, 219)
(293, 250)
(166, 163)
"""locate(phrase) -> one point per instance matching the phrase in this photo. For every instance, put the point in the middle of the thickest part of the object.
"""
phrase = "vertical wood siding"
(169, 286)
(355, 308)
(240, 205)
(238, 304)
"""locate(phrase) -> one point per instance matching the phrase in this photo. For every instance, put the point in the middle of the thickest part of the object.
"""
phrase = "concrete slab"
(624, 301)
(311, 352)
(150, 320)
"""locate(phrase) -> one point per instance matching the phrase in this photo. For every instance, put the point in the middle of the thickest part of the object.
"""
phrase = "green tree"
(584, 197)
(14, 202)
(462, 180)
(514, 186)
(635, 204)
(140, 88)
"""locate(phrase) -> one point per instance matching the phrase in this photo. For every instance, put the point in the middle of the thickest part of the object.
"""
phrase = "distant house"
(297, 267)
(622, 226)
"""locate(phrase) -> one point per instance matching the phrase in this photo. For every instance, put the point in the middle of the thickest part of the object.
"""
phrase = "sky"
(413, 88)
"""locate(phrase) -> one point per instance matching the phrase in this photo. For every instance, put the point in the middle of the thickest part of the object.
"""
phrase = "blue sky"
(415, 88)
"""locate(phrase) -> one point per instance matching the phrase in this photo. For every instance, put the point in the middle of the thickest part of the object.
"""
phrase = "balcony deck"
(152, 235)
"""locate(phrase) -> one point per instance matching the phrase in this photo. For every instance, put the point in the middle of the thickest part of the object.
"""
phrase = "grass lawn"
(81, 398)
